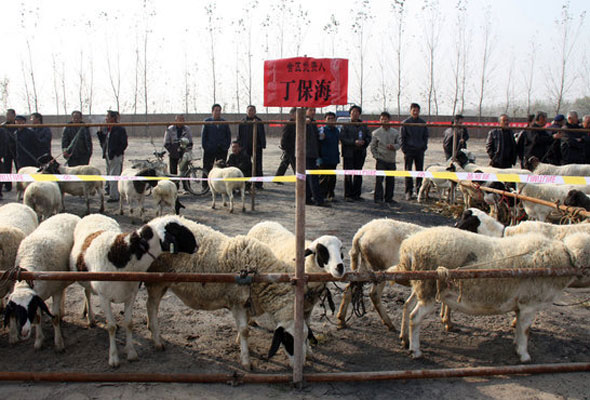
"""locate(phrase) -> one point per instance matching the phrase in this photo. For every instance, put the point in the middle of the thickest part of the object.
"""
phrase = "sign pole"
(254, 170)
(300, 244)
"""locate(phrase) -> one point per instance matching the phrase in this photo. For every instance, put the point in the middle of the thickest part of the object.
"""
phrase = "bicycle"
(157, 164)
(189, 169)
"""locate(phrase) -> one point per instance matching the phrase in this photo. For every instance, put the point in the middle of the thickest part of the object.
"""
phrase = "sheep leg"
(403, 334)
(155, 294)
(101, 194)
(422, 309)
(213, 195)
(243, 195)
(375, 296)
(231, 201)
(88, 312)
(424, 189)
(160, 209)
(13, 331)
(343, 310)
(140, 204)
(39, 337)
(524, 321)
(56, 310)
(87, 197)
(241, 318)
(128, 325)
(112, 330)
(445, 317)
(223, 198)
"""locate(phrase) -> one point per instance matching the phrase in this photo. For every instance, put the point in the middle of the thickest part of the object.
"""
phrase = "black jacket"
(288, 139)
(414, 138)
(78, 143)
(28, 148)
(241, 161)
(448, 140)
(572, 146)
(538, 144)
(113, 141)
(501, 148)
(349, 134)
(245, 136)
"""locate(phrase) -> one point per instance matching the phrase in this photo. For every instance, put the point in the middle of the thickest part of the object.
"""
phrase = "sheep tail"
(177, 206)
(355, 254)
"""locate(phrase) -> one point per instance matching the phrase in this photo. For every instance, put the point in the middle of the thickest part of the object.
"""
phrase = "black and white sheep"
(42, 250)
(452, 248)
(135, 191)
(219, 253)
(100, 246)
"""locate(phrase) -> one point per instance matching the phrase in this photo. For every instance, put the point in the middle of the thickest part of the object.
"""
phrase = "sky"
(88, 52)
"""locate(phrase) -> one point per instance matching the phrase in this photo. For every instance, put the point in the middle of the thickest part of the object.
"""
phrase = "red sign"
(305, 82)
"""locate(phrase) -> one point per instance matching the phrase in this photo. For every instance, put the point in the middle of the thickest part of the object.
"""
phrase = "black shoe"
(309, 202)
(323, 204)
(391, 202)
(348, 199)
(279, 183)
(112, 200)
(359, 198)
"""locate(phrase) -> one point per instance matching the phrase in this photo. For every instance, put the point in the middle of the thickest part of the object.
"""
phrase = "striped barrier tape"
(470, 176)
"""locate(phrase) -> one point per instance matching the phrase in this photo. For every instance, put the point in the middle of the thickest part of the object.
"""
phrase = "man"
(215, 139)
(329, 155)
(76, 142)
(538, 143)
(27, 145)
(386, 141)
(313, 194)
(245, 134)
(449, 136)
(572, 142)
(501, 145)
(288, 146)
(113, 140)
(586, 125)
(172, 138)
(354, 139)
(9, 152)
(414, 145)
(44, 136)
(239, 159)
(554, 155)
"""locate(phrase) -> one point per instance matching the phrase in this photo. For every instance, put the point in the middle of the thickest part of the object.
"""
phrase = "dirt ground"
(198, 341)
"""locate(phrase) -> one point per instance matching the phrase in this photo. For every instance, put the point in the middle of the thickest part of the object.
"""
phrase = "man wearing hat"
(113, 140)
(572, 142)
(27, 145)
(539, 143)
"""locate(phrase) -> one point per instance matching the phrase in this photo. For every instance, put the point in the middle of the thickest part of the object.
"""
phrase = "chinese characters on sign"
(305, 82)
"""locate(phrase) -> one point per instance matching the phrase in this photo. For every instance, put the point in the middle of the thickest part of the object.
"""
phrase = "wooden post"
(300, 244)
(254, 169)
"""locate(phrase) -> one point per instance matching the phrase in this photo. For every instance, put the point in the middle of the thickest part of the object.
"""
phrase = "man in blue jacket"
(414, 145)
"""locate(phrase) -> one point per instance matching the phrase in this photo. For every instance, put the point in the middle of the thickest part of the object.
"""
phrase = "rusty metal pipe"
(282, 277)
(239, 378)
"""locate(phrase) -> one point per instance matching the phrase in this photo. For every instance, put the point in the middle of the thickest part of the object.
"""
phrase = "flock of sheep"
(175, 244)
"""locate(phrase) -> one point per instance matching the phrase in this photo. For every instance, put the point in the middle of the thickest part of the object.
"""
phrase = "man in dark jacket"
(329, 154)
(239, 159)
(27, 145)
(449, 136)
(414, 145)
(245, 134)
(313, 194)
(572, 142)
(354, 139)
(113, 140)
(172, 136)
(44, 136)
(215, 139)
(538, 142)
(76, 142)
(9, 150)
(288, 146)
(500, 145)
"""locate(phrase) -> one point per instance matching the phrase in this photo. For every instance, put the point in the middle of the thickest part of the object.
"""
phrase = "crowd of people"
(328, 144)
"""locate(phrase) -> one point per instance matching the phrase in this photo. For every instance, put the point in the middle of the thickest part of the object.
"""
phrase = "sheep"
(85, 188)
(44, 198)
(166, 192)
(577, 198)
(22, 185)
(325, 251)
(375, 247)
(134, 191)
(19, 216)
(548, 192)
(220, 254)
(477, 221)
(539, 168)
(42, 250)
(439, 184)
(104, 248)
(224, 187)
(453, 248)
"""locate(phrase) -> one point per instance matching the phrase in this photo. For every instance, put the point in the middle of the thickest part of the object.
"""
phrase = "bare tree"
(432, 24)
(360, 29)
(460, 48)
(560, 81)
(486, 53)
(213, 21)
(529, 75)
(113, 60)
(64, 97)
(29, 18)
(331, 29)
(300, 24)
(509, 84)
(55, 85)
(239, 30)
(4, 84)
(26, 84)
(397, 7)
(81, 78)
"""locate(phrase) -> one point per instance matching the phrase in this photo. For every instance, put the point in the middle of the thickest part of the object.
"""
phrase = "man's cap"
(20, 118)
(559, 117)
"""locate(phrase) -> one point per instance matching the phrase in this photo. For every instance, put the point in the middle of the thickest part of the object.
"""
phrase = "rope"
(587, 299)
(357, 299)
(13, 274)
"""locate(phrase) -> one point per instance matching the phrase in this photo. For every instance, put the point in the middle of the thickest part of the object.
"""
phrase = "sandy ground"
(200, 341)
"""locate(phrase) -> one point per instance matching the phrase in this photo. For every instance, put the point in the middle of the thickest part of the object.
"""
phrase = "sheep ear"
(312, 339)
(277, 338)
(38, 302)
(308, 252)
(8, 311)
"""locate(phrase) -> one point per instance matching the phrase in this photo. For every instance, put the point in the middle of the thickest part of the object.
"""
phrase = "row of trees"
(462, 79)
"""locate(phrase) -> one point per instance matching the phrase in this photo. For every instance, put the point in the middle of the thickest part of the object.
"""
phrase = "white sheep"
(134, 191)
(219, 253)
(22, 185)
(166, 193)
(548, 192)
(106, 249)
(375, 247)
(81, 189)
(42, 250)
(44, 198)
(440, 184)
(540, 168)
(225, 187)
(452, 248)
(19, 216)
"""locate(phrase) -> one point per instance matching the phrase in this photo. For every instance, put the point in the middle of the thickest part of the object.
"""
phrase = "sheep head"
(21, 310)
(327, 252)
